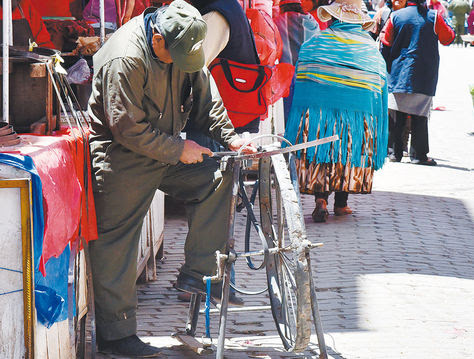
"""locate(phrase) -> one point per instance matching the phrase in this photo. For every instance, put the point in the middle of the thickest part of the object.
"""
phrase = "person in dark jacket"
(231, 38)
(410, 49)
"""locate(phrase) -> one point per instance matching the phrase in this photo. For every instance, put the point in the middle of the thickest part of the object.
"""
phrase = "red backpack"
(242, 88)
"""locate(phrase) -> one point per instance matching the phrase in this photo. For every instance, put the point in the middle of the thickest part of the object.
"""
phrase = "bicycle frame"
(225, 260)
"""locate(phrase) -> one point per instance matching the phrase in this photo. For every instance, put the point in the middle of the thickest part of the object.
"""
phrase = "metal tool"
(270, 153)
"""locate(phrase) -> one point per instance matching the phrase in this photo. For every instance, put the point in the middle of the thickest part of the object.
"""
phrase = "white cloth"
(217, 37)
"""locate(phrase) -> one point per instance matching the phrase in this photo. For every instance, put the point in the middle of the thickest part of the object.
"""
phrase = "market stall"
(47, 208)
(47, 211)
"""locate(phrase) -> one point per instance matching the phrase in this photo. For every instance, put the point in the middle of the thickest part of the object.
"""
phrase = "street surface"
(394, 280)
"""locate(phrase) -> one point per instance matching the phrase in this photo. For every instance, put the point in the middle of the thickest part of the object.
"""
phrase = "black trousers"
(340, 198)
(419, 136)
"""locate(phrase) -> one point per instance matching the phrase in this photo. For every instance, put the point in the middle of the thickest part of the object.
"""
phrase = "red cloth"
(38, 28)
(59, 161)
(61, 8)
(279, 84)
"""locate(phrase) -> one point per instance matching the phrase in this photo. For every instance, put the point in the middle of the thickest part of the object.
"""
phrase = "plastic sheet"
(267, 37)
(50, 291)
(279, 85)
(79, 73)
(68, 211)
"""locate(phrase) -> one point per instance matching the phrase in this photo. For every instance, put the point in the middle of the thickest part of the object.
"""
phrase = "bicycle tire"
(287, 273)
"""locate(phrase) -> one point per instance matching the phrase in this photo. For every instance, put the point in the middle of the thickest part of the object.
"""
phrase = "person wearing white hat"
(340, 90)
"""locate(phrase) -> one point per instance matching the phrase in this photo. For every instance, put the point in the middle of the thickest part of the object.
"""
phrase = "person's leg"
(320, 213)
(406, 133)
(459, 29)
(214, 146)
(391, 125)
(207, 193)
(340, 204)
(340, 199)
(420, 148)
(419, 144)
(120, 212)
(398, 128)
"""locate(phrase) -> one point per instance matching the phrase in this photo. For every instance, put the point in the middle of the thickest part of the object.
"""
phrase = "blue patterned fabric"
(341, 80)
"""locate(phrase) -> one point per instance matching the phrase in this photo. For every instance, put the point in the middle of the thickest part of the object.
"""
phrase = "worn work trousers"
(125, 196)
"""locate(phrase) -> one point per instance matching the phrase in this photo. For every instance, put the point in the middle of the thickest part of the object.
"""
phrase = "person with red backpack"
(231, 38)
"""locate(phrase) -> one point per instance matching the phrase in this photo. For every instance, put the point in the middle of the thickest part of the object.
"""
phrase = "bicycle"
(286, 260)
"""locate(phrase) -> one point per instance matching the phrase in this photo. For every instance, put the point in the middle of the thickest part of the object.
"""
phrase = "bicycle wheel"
(287, 270)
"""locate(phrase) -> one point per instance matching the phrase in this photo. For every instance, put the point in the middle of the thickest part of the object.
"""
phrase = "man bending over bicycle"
(148, 80)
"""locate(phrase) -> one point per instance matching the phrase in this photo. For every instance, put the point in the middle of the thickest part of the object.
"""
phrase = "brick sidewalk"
(394, 280)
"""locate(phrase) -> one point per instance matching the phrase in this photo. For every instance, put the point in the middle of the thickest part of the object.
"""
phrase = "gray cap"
(184, 30)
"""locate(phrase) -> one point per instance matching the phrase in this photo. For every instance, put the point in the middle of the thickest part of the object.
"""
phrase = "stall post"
(7, 35)
(102, 21)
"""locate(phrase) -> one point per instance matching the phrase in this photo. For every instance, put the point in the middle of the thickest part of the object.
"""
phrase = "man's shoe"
(427, 162)
(187, 283)
(131, 347)
(234, 300)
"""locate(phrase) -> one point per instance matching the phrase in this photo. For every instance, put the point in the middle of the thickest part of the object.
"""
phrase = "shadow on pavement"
(388, 234)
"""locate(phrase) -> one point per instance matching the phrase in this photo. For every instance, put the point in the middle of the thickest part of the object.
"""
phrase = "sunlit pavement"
(394, 280)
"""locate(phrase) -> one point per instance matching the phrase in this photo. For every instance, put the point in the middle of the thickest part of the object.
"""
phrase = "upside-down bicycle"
(285, 248)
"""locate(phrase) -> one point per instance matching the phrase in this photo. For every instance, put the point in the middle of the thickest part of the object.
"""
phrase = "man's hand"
(237, 144)
(192, 152)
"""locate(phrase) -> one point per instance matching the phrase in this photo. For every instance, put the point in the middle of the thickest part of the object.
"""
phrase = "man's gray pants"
(126, 191)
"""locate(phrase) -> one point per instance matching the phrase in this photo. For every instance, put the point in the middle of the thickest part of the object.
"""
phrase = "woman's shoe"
(342, 211)
(427, 162)
(320, 213)
(393, 158)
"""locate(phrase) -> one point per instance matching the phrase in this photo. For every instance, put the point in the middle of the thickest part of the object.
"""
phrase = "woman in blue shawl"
(340, 89)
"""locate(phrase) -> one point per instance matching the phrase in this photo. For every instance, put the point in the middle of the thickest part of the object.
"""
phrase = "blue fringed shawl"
(341, 80)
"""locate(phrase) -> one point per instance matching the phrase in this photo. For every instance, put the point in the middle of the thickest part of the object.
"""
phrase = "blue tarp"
(50, 291)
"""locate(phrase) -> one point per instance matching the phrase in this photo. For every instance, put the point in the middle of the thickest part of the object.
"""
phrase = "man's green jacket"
(142, 104)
